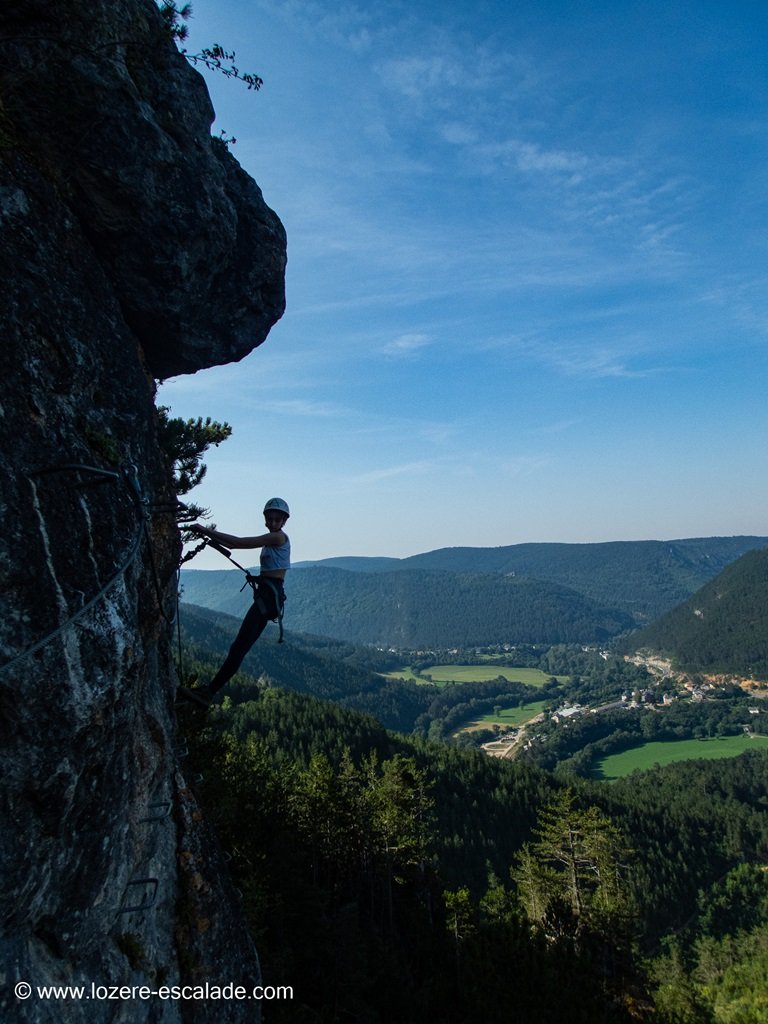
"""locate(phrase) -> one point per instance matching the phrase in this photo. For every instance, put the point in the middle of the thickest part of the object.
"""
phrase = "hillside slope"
(318, 666)
(722, 628)
(645, 578)
(317, 670)
(422, 609)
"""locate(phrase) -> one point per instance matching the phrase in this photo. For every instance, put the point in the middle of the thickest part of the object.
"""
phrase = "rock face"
(132, 247)
(119, 124)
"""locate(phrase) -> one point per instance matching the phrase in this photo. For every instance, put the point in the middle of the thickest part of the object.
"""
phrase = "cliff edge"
(133, 247)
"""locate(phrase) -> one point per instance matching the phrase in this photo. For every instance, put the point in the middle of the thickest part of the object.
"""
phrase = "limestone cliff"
(132, 247)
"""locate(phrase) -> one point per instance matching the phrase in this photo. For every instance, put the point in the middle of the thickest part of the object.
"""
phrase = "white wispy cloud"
(420, 75)
(418, 468)
(348, 25)
(555, 427)
(597, 363)
(438, 433)
(533, 157)
(443, 66)
(525, 465)
(406, 345)
(301, 407)
(458, 133)
(743, 296)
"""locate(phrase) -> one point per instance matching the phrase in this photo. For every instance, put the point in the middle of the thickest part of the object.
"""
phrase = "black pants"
(267, 605)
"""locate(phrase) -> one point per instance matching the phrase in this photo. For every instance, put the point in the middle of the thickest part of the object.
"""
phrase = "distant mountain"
(644, 578)
(417, 608)
(355, 563)
(523, 593)
(722, 628)
(216, 589)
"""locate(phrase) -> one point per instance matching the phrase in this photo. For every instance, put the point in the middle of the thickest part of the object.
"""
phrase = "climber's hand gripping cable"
(210, 542)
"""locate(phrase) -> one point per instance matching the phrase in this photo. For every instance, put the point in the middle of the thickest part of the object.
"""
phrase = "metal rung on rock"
(161, 811)
(145, 904)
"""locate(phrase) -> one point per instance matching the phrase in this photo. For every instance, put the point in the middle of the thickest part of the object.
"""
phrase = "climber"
(268, 593)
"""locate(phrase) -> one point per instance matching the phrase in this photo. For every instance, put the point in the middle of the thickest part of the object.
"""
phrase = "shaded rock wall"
(132, 246)
(119, 124)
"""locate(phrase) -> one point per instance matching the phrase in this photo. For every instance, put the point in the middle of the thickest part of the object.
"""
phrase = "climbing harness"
(255, 582)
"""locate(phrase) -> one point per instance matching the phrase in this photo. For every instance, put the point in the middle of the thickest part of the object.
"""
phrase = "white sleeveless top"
(279, 557)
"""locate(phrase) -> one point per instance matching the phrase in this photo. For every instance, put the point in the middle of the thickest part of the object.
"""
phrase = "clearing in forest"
(661, 752)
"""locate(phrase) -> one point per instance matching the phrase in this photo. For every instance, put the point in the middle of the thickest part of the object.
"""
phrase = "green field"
(507, 717)
(444, 674)
(616, 766)
(404, 673)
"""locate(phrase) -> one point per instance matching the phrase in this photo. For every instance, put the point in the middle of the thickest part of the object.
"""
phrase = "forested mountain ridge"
(722, 628)
(645, 578)
(382, 857)
(524, 593)
(420, 608)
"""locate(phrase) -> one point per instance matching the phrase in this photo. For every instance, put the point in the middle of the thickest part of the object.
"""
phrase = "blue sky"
(527, 262)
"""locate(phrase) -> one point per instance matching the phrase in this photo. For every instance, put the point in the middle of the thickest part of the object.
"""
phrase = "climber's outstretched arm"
(275, 538)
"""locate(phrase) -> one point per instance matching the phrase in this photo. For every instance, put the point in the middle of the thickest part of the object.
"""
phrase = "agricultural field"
(442, 675)
(507, 718)
(616, 766)
(407, 674)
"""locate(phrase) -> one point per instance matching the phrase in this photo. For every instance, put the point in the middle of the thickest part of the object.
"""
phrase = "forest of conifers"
(394, 872)
(723, 627)
(389, 878)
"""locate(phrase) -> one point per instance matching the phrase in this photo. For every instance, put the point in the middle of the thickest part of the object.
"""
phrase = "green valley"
(415, 797)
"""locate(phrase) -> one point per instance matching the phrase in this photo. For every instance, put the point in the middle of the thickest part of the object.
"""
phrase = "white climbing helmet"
(278, 505)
